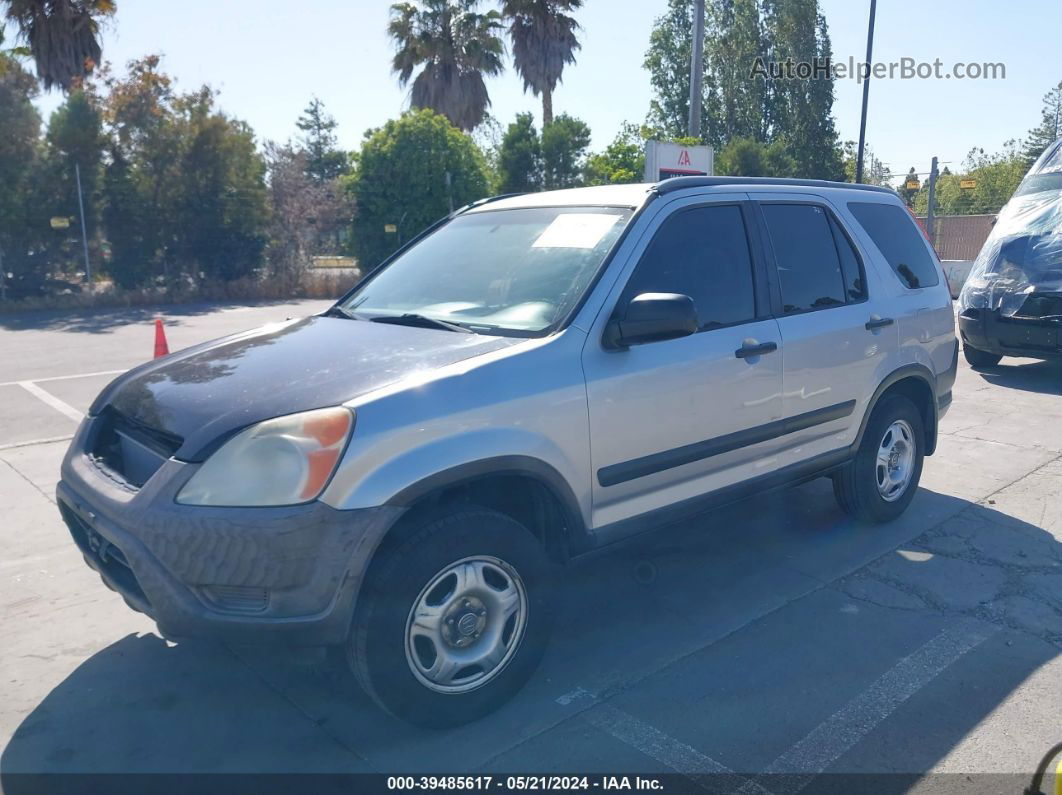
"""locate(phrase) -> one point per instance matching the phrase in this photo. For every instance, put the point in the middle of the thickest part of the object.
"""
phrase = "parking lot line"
(825, 744)
(52, 400)
(63, 377)
(678, 756)
(31, 442)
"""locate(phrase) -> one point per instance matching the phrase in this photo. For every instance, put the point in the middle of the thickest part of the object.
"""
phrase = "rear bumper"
(1011, 336)
(281, 575)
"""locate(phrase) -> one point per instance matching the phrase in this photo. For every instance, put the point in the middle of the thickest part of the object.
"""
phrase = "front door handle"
(746, 350)
(876, 322)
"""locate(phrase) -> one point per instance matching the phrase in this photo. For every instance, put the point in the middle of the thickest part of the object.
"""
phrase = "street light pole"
(866, 94)
(696, 69)
(84, 234)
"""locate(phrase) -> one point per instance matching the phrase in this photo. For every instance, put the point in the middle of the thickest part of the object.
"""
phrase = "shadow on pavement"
(1043, 377)
(740, 611)
(97, 321)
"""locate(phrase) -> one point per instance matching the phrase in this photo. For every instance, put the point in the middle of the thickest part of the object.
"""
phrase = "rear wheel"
(880, 482)
(978, 358)
(452, 623)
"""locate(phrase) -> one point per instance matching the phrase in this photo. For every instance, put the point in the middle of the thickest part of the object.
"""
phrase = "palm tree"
(456, 46)
(543, 37)
(63, 36)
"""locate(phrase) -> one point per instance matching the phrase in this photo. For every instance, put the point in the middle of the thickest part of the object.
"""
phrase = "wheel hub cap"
(466, 624)
(895, 461)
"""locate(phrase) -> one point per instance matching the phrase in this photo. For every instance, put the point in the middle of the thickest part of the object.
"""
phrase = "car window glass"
(854, 285)
(894, 232)
(702, 252)
(809, 269)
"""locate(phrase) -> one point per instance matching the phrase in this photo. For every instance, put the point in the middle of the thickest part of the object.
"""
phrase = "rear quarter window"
(898, 239)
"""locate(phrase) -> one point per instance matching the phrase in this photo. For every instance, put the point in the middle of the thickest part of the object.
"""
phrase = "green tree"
(908, 194)
(74, 141)
(185, 190)
(454, 46)
(140, 181)
(623, 160)
(745, 157)
(222, 199)
(733, 41)
(324, 159)
(801, 109)
(1050, 128)
(401, 180)
(874, 171)
(668, 63)
(19, 130)
(997, 176)
(520, 157)
(488, 138)
(544, 42)
(564, 145)
(63, 36)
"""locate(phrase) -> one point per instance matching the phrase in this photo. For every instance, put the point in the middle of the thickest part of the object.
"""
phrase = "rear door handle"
(879, 322)
(745, 351)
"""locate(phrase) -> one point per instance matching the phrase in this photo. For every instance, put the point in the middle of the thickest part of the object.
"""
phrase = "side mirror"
(652, 317)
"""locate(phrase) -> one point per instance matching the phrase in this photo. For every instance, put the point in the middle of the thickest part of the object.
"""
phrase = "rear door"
(834, 344)
(670, 420)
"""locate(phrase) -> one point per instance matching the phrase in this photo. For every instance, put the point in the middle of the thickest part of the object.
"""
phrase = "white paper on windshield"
(576, 230)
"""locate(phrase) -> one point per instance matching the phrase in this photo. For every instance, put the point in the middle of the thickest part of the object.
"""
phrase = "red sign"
(684, 158)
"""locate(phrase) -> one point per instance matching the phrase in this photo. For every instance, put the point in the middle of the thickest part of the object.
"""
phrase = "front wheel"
(879, 483)
(452, 623)
(979, 358)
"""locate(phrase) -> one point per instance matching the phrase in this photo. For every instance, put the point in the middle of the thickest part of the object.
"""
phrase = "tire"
(978, 358)
(894, 424)
(479, 565)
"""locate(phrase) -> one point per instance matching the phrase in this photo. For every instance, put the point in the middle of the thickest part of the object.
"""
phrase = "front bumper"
(1011, 336)
(284, 574)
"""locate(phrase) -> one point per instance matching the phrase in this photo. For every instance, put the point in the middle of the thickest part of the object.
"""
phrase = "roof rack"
(487, 200)
(678, 183)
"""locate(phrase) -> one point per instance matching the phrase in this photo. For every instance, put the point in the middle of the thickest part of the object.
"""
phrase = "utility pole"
(930, 205)
(866, 94)
(84, 234)
(696, 69)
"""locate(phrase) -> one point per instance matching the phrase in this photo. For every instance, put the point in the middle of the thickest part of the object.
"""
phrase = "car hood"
(206, 393)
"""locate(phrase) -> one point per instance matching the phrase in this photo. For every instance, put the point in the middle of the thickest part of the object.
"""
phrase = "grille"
(110, 558)
(131, 450)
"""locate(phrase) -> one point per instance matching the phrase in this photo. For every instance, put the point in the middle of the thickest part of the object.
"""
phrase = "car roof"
(635, 195)
(597, 196)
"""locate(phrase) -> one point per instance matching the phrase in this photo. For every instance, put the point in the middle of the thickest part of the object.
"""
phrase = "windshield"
(518, 271)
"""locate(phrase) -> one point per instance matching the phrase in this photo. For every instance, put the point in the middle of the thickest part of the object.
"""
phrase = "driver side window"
(702, 252)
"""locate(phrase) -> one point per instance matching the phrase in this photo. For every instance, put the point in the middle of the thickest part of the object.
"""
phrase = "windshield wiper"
(421, 321)
(338, 311)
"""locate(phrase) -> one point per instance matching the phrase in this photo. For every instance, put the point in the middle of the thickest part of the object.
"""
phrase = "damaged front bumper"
(280, 574)
(1011, 335)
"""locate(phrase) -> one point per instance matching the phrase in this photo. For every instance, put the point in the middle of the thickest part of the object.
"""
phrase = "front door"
(675, 419)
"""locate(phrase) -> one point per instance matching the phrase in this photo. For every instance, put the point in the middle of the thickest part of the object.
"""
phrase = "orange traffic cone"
(162, 348)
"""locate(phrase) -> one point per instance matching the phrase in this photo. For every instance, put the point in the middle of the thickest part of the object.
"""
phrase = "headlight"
(283, 461)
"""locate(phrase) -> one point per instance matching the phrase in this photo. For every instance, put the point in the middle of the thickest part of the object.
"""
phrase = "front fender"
(439, 462)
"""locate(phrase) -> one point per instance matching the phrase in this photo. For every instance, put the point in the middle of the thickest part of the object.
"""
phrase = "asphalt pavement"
(765, 646)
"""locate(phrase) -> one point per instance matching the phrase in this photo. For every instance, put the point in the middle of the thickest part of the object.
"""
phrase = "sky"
(268, 57)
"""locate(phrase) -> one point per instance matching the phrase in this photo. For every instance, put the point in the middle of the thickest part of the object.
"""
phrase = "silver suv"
(534, 377)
